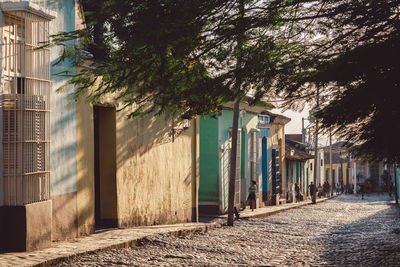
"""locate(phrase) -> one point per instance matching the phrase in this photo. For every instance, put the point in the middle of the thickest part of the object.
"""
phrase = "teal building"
(215, 149)
(255, 160)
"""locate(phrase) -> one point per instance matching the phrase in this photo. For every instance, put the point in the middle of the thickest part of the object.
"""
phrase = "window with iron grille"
(25, 105)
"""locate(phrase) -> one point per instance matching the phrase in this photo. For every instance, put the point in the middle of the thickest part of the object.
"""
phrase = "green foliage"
(180, 56)
(355, 63)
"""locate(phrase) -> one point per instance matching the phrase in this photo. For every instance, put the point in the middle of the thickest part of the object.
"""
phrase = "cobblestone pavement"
(344, 231)
(107, 239)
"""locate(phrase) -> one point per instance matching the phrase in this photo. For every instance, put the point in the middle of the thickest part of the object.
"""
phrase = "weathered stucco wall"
(156, 174)
(63, 163)
(85, 168)
(63, 111)
(85, 157)
(154, 171)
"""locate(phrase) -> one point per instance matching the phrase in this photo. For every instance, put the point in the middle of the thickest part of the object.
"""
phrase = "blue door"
(275, 172)
(264, 163)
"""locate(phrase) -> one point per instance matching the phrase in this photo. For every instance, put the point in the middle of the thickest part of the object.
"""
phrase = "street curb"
(269, 213)
(177, 233)
(129, 244)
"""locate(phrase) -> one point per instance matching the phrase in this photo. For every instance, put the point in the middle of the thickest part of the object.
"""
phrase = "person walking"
(362, 190)
(252, 195)
(312, 189)
(391, 189)
(320, 191)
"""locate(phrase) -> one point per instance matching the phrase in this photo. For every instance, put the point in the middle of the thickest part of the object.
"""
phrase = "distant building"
(260, 157)
(297, 165)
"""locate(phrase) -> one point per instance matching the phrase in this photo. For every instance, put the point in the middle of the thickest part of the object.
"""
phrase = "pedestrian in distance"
(299, 196)
(312, 189)
(327, 188)
(391, 189)
(319, 190)
(252, 195)
(362, 190)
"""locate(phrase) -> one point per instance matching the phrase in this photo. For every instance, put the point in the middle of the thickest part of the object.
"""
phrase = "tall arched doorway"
(264, 164)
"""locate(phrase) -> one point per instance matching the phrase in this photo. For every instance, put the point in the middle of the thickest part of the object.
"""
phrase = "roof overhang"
(29, 7)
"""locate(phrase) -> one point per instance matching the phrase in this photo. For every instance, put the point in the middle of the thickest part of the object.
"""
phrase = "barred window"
(25, 104)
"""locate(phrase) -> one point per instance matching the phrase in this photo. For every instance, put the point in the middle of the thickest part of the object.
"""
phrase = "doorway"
(264, 165)
(105, 166)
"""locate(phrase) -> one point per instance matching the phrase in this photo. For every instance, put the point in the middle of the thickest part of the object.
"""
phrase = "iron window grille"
(25, 103)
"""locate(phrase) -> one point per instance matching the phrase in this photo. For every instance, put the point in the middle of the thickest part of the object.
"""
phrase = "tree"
(142, 52)
(180, 56)
(354, 60)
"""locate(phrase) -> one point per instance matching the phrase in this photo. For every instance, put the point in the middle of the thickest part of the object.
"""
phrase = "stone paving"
(121, 238)
(344, 231)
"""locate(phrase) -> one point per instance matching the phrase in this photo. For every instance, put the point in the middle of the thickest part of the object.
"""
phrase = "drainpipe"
(220, 155)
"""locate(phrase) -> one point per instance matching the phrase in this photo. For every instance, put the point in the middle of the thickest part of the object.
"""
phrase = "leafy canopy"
(354, 53)
(180, 56)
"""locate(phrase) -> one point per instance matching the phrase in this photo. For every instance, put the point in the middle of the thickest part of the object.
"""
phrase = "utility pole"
(303, 134)
(316, 163)
(238, 83)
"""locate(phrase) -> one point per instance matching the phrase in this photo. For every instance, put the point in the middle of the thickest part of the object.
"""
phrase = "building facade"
(260, 158)
(215, 149)
(69, 167)
(297, 167)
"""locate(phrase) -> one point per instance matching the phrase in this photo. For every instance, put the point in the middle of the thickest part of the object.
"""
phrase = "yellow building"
(277, 144)
(132, 172)
(141, 171)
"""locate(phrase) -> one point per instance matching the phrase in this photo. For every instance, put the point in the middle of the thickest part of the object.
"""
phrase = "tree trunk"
(316, 161)
(235, 126)
(232, 172)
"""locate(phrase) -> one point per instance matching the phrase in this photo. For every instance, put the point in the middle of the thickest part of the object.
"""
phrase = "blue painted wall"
(265, 161)
(63, 110)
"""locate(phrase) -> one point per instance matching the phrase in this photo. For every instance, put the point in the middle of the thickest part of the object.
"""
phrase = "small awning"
(293, 153)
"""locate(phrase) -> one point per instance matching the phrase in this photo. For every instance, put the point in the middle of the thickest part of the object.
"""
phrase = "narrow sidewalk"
(128, 237)
(263, 212)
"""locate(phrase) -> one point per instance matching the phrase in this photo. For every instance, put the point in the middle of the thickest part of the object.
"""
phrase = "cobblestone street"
(344, 231)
